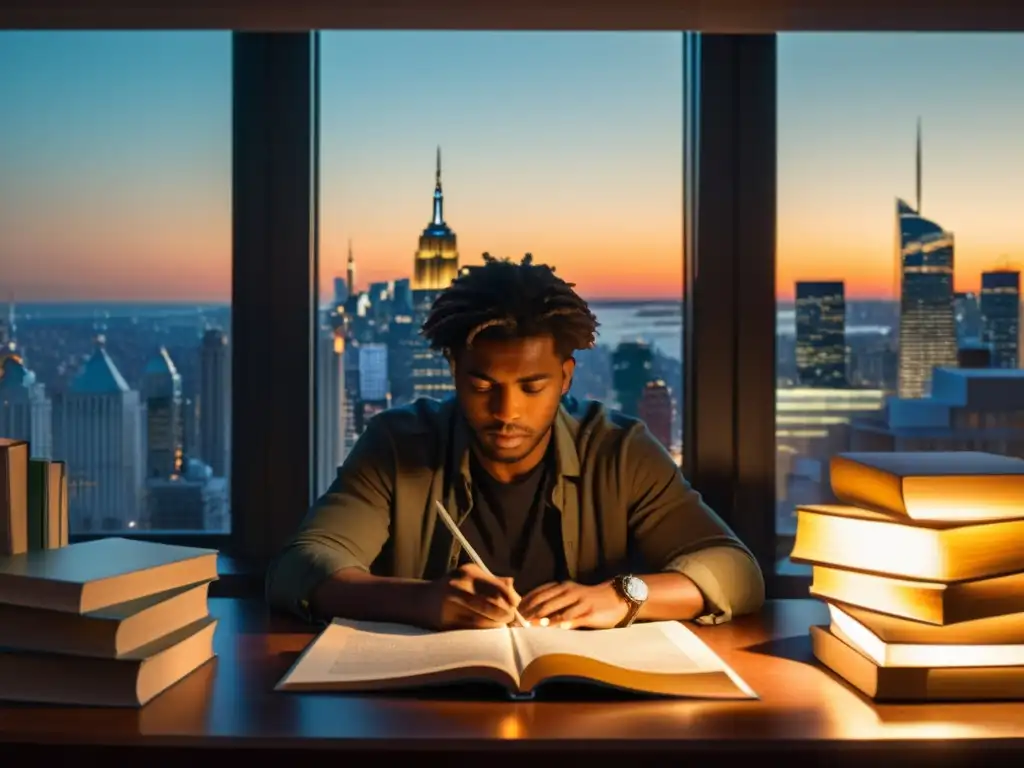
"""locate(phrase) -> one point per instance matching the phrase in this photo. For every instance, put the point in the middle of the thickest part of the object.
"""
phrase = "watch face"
(635, 588)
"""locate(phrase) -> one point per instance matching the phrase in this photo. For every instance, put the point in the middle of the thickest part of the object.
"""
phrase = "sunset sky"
(115, 156)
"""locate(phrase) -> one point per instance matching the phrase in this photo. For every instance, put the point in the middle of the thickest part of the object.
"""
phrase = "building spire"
(350, 277)
(918, 166)
(438, 219)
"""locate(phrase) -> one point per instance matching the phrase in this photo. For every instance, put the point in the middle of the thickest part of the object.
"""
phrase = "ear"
(568, 368)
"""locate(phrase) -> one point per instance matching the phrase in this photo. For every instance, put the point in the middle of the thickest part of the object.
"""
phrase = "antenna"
(918, 164)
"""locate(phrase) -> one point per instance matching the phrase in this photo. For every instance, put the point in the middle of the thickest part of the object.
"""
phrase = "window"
(115, 235)
(437, 147)
(898, 252)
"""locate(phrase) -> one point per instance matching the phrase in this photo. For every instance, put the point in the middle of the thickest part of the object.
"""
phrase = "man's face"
(509, 391)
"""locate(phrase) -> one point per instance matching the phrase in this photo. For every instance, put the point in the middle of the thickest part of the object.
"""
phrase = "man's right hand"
(468, 598)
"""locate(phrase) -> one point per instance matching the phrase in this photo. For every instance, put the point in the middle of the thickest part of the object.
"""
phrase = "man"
(584, 519)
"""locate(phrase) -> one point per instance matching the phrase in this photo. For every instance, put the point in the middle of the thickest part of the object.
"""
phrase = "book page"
(664, 647)
(350, 652)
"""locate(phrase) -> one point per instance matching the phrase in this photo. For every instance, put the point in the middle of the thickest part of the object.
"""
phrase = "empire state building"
(437, 259)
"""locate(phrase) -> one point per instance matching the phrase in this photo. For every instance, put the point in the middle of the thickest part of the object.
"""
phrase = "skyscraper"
(632, 363)
(821, 334)
(927, 321)
(161, 391)
(437, 258)
(26, 412)
(330, 405)
(215, 402)
(98, 432)
(655, 409)
(1000, 316)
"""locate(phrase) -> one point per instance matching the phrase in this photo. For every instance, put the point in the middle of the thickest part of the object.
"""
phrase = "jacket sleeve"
(347, 527)
(672, 529)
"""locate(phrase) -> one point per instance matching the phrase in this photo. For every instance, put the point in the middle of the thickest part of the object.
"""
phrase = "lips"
(507, 440)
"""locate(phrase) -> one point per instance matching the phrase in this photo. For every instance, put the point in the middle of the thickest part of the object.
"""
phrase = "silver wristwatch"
(633, 590)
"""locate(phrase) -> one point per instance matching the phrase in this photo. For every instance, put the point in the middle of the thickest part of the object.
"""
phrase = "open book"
(661, 658)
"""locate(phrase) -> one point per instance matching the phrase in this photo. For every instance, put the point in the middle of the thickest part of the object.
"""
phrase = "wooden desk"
(804, 711)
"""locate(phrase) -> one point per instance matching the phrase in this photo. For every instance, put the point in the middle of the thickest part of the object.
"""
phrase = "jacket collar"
(564, 433)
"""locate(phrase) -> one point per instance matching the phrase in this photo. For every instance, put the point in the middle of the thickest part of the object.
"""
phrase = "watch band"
(634, 605)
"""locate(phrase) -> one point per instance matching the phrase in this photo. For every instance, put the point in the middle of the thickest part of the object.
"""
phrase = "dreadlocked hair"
(506, 300)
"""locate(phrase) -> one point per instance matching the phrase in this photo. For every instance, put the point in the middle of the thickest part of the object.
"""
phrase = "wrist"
(615, 596)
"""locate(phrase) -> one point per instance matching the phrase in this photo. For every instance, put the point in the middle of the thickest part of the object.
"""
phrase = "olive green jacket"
(624, 504)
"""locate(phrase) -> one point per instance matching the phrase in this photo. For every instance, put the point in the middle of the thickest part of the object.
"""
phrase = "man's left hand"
(574, 606)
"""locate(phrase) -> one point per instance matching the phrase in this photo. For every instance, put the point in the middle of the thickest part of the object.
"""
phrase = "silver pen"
(459, 537)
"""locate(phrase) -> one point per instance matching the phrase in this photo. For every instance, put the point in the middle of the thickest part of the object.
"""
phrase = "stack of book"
(921, 564)
(109, 622)
(33, 500)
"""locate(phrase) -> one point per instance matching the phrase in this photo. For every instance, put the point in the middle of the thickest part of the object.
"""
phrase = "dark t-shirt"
(514, 529)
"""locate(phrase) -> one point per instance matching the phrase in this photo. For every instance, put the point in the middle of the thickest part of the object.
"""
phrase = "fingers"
(480, 613)
(485, 584)
(489, 604)
(575, 615)
(536, 604)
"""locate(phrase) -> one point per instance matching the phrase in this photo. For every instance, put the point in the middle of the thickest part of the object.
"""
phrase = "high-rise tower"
(437, 259)
(924, 255)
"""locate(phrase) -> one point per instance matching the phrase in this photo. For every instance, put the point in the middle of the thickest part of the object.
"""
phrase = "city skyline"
(125, 138)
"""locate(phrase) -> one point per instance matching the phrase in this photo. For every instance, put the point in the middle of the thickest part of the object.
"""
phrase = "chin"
(506, 457)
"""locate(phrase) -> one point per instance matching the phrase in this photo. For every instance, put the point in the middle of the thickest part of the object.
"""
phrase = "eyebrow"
(521, 380)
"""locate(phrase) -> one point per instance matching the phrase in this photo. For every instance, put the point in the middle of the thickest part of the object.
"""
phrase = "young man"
(584, 518)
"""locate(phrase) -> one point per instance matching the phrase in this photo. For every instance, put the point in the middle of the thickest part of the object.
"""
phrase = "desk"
(804, 711)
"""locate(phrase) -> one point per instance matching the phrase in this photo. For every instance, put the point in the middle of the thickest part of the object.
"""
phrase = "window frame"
(275, 148)
(729, 199)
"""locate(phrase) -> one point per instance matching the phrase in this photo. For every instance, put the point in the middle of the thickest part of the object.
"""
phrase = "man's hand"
(574, 606)
(467, 598)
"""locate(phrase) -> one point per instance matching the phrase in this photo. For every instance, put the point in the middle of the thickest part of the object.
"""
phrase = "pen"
(459, 537)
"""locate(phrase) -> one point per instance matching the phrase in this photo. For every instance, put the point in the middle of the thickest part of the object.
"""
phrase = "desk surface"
(230, 702)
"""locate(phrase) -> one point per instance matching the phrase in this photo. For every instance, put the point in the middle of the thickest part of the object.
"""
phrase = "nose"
(505, 405)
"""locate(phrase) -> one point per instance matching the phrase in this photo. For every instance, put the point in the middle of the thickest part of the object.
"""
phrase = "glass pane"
(115, 235)
(437, 147)
(898, 252)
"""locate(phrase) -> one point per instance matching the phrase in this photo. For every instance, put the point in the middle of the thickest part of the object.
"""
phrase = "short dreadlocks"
(502, 299)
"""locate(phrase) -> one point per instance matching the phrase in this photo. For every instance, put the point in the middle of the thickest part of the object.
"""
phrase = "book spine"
(65, 520)
(13, 499)
(38, 493)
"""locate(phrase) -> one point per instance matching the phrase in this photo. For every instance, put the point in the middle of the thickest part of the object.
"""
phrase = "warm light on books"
(870, 541)
(954, 486)
(858, 539)
(884, 654)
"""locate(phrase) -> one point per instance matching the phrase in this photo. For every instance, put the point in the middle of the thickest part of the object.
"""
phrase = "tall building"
(374, 391)
(26, 413)
(967, 311)
(656, 411)
(403, 338)
(1000, 316)
(373, 373)
(330, 406)
(98, 432)
(632, 363)
(437, 258)
(431, 374)
(161, 391)
(350, 274)
(821, 334)
(927, 323)
(9, 331)
(215, 402)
